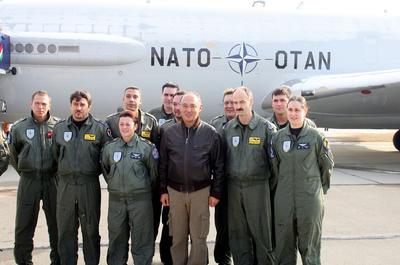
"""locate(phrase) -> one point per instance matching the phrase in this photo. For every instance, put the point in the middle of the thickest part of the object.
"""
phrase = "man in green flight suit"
(248, 171)
(222, 254)
(280, 99)
(77, 145)
(130, 167)
(166, 110)
(30, 144)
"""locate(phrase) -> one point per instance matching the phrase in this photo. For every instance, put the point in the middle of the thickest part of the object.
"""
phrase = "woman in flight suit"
(302, 163)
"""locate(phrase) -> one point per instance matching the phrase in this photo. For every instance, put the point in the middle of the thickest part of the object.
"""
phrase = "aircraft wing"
(324, 86)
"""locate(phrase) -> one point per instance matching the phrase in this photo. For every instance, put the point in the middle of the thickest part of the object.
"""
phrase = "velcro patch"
(254, 140)
(89, 137)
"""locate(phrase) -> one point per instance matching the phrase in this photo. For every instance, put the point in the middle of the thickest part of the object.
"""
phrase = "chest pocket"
(305, 153)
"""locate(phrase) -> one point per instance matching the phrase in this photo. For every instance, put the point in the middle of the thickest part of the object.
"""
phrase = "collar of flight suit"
(88, 122)
(131, 142)
(252, 124)
(48, 116)
(302, 132)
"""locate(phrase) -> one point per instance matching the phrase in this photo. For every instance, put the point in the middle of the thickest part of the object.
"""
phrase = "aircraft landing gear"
(396, 140)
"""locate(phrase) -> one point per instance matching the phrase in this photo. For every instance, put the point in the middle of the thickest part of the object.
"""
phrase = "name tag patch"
(136, 155)
(254, 140)
(89, 137)
(145, 134)
(303, 146)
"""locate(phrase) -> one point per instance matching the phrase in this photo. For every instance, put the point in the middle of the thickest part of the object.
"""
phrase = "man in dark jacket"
(190, 154)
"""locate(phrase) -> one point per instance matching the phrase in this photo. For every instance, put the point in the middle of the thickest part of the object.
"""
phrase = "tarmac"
(362, 211)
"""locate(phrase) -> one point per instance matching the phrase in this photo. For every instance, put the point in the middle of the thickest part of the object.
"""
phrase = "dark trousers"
(130, 217)
(78, 205)
(166, 239)
(30, 192)
(222, 253)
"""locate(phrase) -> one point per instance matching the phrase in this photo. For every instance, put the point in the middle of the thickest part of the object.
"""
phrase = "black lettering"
(188, 51)
(173, 58)
(326, 61)
(278, 63)
(207, 57)
(295, 53)
(310, 61)
(159, 57)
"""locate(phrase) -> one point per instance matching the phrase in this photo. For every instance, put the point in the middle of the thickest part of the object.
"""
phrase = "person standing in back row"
(222, 254)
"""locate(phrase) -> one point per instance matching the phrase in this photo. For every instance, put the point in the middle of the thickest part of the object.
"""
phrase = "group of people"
(266, 185)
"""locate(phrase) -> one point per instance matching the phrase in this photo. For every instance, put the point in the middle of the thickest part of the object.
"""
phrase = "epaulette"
(56, 119)
(218, 117)
(59, 121)
(150, 115)
(270, 126)
(146, 141)
(112, 115)
(20, 120)
(100, 121)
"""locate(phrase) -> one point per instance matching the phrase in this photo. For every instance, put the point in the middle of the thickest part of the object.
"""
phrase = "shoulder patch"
(112, 115)
(325, 143)
(154, 153)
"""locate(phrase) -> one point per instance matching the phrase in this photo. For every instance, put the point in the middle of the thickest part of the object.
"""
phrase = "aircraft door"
(4, 53)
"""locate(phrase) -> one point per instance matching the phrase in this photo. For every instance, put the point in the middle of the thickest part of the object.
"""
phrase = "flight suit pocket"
(26, 159)
(205, 226)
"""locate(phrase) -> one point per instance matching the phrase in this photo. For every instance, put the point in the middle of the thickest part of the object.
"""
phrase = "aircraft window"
(41, 48)
(65, 48)
(11, 47)
(29, 48)
(19, 47)
(52, 48)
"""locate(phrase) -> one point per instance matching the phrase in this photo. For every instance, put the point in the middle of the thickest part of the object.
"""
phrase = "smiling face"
(296, 113)
(190, 108)
(229, 108)
(127, 128)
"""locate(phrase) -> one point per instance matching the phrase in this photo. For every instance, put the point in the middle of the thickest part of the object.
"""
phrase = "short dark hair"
(228, 91)
(131, 87)
(80, 94)
(180, 93)
(41, 93)
(127, 113)
(282, 90)
(169, 84)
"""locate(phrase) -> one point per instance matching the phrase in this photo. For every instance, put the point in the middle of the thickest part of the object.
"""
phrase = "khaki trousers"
(189, 215)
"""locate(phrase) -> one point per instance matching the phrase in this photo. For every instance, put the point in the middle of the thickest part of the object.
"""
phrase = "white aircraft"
(348, 67)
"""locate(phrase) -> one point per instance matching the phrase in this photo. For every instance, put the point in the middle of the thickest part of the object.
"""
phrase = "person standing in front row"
(76, 148)
(30, 144)
(248, 170)
(130, 170)
(191, 175)
(302, 162)
(166, 238)
(222, 253)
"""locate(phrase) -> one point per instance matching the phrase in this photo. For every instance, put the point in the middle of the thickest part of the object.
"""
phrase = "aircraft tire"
(396, 140)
